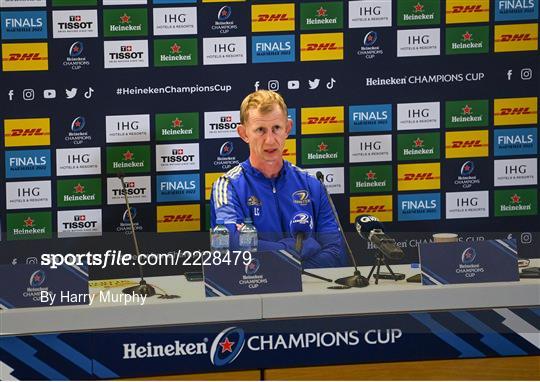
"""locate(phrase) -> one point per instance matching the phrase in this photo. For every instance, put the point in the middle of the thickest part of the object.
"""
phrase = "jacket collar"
(246, 165)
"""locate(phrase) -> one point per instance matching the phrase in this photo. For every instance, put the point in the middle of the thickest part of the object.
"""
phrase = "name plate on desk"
(32, 285)
(268, 272)
(469, 262)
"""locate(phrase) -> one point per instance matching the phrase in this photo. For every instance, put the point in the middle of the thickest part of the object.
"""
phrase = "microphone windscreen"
(120, 174)
(302, 222)
(367, 223)
(320, 176)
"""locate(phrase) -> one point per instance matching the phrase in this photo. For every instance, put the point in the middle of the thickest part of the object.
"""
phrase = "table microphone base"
(143, 289)
(355, 281)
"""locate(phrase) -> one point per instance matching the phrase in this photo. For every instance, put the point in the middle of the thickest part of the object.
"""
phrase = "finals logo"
(176, 52)
(467, 113)
(467, 40)
(327, 15)
(125, 22)
(128, 159)
(418, 12)
(177, 126)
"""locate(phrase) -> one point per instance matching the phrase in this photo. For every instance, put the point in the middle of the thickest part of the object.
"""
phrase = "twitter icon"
(71, 93)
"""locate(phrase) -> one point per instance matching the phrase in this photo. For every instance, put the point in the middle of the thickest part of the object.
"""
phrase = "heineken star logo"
(321, 12)
(128, 155)
(323, 147)
(418, 142)
(515, 198)
(175, 48)
(226, 345)
(79, 189)
(467, 36)
(125, 18)
(176, 122)
(371, 175)
(419, 7)
(466, 110)
(28, 222)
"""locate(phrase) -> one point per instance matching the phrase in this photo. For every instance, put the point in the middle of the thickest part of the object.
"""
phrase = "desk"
(392, 321)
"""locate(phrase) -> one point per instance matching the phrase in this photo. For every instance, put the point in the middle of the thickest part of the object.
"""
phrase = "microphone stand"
(299, 246)
(356, 280)
(143, 289)
(380, 260)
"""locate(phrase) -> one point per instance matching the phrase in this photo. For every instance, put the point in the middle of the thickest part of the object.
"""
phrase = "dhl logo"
(27, 132)
(272, 17)
(425, 176)
(515, 111)
(465, 144)
(516, 37)
(209, 179)
(321, 46)
(380, 207)
(465, 11)
(25, 57)
(323, 120)
(289, 151)
(178, 218)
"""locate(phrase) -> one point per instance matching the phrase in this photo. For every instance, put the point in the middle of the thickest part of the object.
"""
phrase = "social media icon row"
(30, 94)
(295, 84)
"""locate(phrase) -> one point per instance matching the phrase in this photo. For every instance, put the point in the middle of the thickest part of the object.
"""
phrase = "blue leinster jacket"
(271, 203)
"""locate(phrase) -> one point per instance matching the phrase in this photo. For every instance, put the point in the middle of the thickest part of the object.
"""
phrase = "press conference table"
(317, 309)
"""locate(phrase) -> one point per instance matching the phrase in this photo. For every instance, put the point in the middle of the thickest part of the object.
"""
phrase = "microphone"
(372, 230)
(300, 227)
(320, 177)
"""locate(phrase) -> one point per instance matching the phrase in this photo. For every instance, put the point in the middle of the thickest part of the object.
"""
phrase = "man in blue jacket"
(271, 190)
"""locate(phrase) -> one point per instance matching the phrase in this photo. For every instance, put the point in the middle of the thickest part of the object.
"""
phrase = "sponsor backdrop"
(392, 100)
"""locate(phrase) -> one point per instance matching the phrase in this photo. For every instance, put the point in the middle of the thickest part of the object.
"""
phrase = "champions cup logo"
(227, 346)
(468, 256)
(78, 124)
(37, 279)
(370, 38)
(301, 197)
(226, 149)
(467, 169)
(25, 57)
(272, 17)
(76, 49)
(125, 215)
(224, 13)
(253, 267)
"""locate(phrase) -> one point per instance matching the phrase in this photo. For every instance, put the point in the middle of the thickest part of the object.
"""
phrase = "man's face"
(266, 134)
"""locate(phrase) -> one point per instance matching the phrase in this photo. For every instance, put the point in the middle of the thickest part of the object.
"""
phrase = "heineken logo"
(24, 226)
(417, 12)
(122, 22)
(176, 52)
(412, 147)
(328, 15)
(128, 159)
(468, 113)
(79, 192)
(177, 126)
(371, 179)
(323, 147)
(470, 39)
(516, 202)
(317, 151)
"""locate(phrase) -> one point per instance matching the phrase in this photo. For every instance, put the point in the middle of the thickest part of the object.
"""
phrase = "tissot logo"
(370, 148)
(514, 38)
(75, 23)
(126, 54)
(327, 15)
(334, 178)
(321, 46)
(506, 10)
(370, 13)
(418, 12)
(459, 11)
(176, 52)
(28, 163)
(322, 120)
(419, 207)
(175, 21)
(24, 25)
(416, 116)
(466, 113)
(27, 132)
(370, 118)
(29, 225)
(381, 207)
(182, 218)
(418, 146)
(272, 17)
(120, 22)
(25, 57)
(221, 124)
(137, 188)
(79, 161)
(22, 195)
(516, 202)
(79, 223)
(418, 42)
(177, 157)
(467, 144)
(516, 172)
(511, 142)
(79, 192)
(425, 176)
(372, 178)
(23, 3)
(177, 126)
(175, 188)
(224, 50)
(467, 40)
(273, 49)
(515, 111)
(466, 205)
(127, 128)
